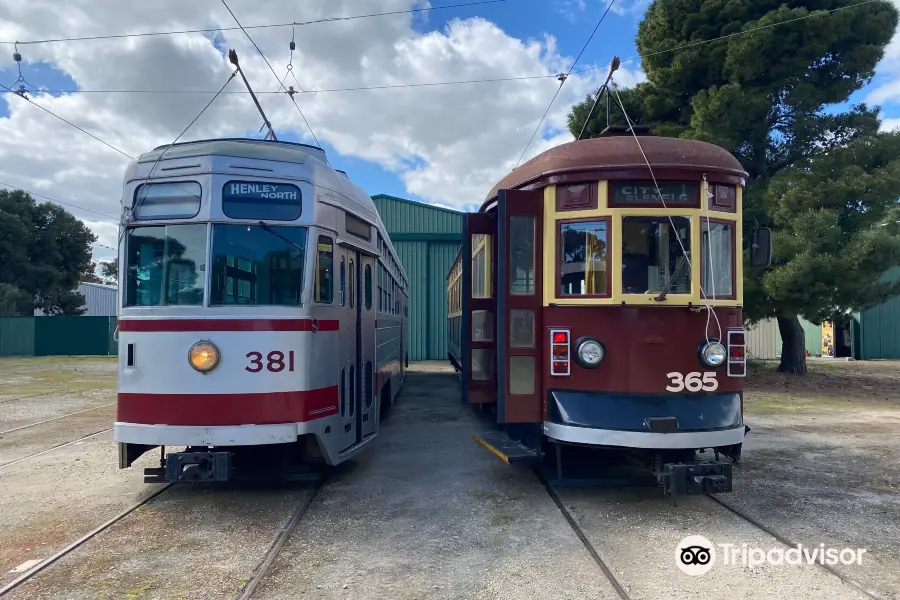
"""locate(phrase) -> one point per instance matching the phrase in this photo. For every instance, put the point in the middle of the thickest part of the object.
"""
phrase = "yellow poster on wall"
(827, 338)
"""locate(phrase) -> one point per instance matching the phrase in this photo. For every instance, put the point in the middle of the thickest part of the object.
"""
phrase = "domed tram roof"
(618, 152)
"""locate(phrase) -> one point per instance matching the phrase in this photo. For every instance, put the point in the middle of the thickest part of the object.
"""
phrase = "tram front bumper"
(192, 467)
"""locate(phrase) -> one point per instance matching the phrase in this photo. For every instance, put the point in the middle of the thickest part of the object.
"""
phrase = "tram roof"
(619, 153)
(238, 147)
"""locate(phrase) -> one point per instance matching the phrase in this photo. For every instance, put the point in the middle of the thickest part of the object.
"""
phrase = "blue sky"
(569, 21)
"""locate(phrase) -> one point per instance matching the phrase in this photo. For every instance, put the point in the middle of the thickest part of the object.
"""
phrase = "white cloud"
(448, 144)
(890, 125)
(630, 7)
(889, 66)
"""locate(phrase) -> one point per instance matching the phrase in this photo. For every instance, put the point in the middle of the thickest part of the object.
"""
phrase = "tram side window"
(583, 258)
(652, 256)
(343, 281)
(368, 287)
(252, 266)
(165, 265)
(718, 259)
(324, 271)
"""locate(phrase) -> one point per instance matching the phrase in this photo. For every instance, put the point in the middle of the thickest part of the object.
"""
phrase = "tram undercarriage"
(302, 460)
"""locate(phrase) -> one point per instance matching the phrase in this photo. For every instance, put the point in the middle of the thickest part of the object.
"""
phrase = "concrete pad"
(430, 514)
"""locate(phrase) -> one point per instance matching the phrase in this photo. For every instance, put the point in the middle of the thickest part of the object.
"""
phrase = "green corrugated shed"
(427, 239)
(72, 336)
(879, 327)
(16, 336)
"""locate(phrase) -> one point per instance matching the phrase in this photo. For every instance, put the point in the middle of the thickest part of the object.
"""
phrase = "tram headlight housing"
(712, 354)
(203, 356)
(589, 352)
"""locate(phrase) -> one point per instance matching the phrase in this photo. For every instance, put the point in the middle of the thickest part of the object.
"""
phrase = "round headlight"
(712, 354)
(589, 352)
(203, 356)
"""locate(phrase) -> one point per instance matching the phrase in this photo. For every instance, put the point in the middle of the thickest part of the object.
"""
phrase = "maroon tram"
(596, 301)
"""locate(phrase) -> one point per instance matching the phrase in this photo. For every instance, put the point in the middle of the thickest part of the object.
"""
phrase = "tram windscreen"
(165, 265)
(252, 266)
(652, 256)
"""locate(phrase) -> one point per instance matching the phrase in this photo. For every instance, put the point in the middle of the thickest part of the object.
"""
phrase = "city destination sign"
(641, 193)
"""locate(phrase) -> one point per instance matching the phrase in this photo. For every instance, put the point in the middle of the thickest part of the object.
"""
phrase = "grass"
(55, 374)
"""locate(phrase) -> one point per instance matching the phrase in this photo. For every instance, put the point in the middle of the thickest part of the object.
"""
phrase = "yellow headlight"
(203, 356)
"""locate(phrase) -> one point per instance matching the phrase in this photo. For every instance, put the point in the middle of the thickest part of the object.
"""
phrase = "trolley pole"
(233, 58)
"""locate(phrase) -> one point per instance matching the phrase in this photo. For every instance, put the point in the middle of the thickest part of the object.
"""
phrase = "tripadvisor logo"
(696, 555)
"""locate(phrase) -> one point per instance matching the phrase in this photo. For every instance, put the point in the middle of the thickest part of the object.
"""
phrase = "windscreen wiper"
(682, 260)
(265, 227)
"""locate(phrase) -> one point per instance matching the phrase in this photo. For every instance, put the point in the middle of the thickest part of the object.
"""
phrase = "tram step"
(507, 449)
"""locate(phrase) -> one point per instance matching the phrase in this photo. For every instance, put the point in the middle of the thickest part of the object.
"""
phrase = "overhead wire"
(563, 81)
(55, 201)
(263, 26)
(268, 64)
(659, 193)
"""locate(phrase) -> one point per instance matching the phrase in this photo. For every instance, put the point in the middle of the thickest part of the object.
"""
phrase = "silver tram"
(262, 311)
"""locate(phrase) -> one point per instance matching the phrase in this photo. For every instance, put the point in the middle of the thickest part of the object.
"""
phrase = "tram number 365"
(692, 382)
(275, 361)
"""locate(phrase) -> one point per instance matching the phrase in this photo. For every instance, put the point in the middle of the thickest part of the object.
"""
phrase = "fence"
(58, 336)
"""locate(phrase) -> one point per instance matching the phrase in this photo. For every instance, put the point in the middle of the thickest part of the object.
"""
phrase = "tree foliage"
(820, 174)
(44, 252)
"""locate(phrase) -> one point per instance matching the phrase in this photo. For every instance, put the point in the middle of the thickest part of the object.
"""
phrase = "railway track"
(56, 418)
(52, 448)
(620, 588)
(256, 577)
(78, 543)
(787, 542)
(7, 400)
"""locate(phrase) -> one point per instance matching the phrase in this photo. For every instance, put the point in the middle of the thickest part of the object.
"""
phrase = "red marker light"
(559, 366)
(737, 339)
(561, 353)
(736, 353)
(560, 337)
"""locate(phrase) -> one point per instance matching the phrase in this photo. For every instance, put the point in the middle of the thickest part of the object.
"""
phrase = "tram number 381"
(275, 361)
(693, 382)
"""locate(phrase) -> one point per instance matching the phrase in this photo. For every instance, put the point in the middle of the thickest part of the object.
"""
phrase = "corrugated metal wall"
(57, 336)
(763, 340)
(16, 336)
(99, 300)
(879, 331)
(427, 239)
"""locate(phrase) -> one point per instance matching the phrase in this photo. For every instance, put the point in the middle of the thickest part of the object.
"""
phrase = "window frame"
(317, 278)
(559, 256)
(135, 206)
(663, 218)
(733, 225)
(717, 205)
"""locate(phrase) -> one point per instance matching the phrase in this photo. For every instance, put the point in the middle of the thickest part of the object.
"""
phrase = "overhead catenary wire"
(459, 82)
(413, 10)
(563, 79)
(268, 64)
(684, 252)
(55, 201)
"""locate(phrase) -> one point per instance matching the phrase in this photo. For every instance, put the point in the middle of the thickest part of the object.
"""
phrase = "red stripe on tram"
(227, 409)
(175, 325)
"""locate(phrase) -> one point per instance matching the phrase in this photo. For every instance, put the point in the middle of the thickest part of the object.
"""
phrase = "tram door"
(478, 333)
(350, 346)
(367, 405)
(520, 306)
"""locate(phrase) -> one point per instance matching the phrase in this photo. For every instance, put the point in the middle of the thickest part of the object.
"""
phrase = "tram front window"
(165, 265)
(254, 266)
(652, 256)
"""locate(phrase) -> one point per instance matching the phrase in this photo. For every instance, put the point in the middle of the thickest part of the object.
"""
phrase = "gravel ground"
(198, 542)
(51, 500)
(429, 514)
(19, 444)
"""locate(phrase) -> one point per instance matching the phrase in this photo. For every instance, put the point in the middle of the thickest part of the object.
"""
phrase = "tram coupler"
(192, 467)
(682, 479)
